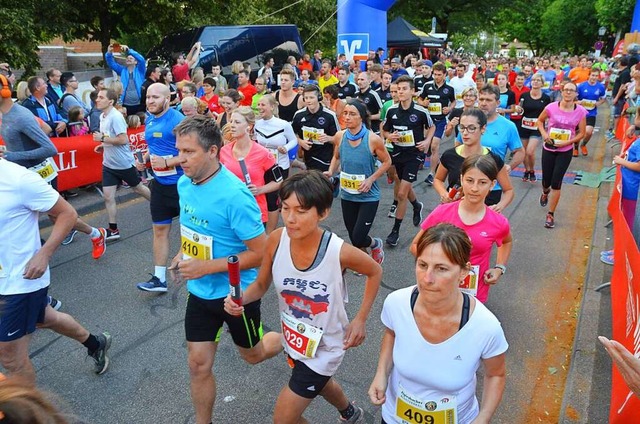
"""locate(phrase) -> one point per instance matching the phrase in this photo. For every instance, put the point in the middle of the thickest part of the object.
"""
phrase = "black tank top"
(223, 120)
(287, 112)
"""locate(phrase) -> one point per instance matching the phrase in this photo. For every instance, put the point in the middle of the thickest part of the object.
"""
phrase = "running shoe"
(525, 176)
(153, 285)
(112, 234)
(392, 238)
(575, 151)
(429, 179)
(610, 133)
(357, 416)
(392, 211)
(417, 214)
(69, 238)
(377, 252)
(606, 253)
(532, 177)
(607, 260)
(584, 150)
(99, 356)
(549, 221)
(99, 244)
(55, 303)
(544, 199)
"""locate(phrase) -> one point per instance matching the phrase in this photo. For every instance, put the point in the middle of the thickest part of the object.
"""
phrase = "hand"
(631, 131)
(455, 121)
(446, 198)
(254, 189)
(325, 138)
(507, 168)
(491, 276)
(394, 137)
(496, 208)
(282, 150)
(378, 389)
(99, 148)
(97, 136)
(60, 127)
(140, 166)
(188, 269)
(157, 162)
(124, 47)
(365, 186)
(306, 144)
(110, 48)
(231, 307)
(549, 141)
(36, 266)
(627, 364)
(423, 146)
(618, 160)
(519, 110)
(355, 334)
(446, 110)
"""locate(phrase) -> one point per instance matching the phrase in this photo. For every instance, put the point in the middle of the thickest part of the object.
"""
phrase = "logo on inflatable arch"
(354, 46)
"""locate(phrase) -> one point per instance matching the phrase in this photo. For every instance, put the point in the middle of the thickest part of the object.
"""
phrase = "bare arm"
(507, 191)
(380, 381)
(493, 388)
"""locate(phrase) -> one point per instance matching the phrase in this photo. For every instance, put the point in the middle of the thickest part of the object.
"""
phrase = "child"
(306, 264)
(133, 122)
(77, 123)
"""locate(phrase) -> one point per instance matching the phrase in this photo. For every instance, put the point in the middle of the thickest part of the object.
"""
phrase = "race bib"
(411, 410)
(470, 284)
(195, 245)
(529, 123)
(312, 134)
(458, 96)
(559, 134)
(589, 104)
(406, 139)
(165, 172)
(435, 108)
(300, 337)
(389, 145)
(46, 169)
(546, 85)
(350, 182)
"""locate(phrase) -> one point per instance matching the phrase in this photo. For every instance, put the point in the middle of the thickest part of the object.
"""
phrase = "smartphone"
(117, 48)
(277, 174)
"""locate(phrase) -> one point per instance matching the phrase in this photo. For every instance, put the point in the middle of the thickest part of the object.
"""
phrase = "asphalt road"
(537, 302)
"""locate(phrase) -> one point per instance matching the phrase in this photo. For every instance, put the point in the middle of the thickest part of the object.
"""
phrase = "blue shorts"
(19, 313)
(440, 126)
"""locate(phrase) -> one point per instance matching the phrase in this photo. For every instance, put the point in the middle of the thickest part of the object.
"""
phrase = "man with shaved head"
(371, 99)
(163, 157)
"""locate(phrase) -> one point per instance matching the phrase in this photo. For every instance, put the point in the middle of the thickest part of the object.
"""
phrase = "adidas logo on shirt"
(457, 358)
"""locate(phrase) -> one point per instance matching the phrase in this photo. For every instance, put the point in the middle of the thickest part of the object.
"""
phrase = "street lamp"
(602, 31)
(599, 44)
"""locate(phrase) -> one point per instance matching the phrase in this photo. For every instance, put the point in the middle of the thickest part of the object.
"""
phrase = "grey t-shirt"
(115, 156)
(72, 100)
(131, 96)
(26, 143)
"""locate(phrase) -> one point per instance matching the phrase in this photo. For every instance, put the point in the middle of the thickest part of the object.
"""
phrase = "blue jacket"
(138, 72)
(36, 108)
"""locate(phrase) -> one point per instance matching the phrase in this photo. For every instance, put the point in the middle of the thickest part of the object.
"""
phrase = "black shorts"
(525, 132)
(273, 201)
(19, 313)
(407, 166)
(204, 318)
(306, 382)
(165, 204)
(112, 177)
(493, 198)
(591, 121)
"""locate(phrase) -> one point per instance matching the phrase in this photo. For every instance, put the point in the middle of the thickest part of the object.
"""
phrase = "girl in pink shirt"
(484, 226)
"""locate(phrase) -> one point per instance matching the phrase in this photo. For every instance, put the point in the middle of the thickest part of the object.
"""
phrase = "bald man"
(371, 99)
(163, 156)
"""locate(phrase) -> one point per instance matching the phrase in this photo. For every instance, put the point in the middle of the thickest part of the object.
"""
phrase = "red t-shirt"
(180, 72)
(258, 161)
(247, 91)
(213, 103)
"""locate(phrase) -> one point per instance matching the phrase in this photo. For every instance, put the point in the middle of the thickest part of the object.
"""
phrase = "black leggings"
(554, 166)
(358, 218)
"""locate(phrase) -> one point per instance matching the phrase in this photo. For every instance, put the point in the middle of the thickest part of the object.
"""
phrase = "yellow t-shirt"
(322, 83)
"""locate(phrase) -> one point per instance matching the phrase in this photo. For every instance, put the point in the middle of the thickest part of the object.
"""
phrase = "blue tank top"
(357, 163)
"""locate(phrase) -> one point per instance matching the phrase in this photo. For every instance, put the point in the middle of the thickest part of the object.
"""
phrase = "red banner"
(79, 165)
(625, 303)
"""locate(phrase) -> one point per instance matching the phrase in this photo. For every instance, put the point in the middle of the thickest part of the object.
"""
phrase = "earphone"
(5, 92)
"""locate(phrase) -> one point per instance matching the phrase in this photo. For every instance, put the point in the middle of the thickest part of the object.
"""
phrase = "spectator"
(166, 78)
(132, 76)
(54, 89)
(77, 122)
(236, 67)
(267, 72)
(40, 105)
(221, 82)
(180, 69)
(152, 75)
(261, 90)
(210, 98)
(316, 62)
(245, 88)
(70, 99)
(22, 92)
(305, 63)
(97, 82)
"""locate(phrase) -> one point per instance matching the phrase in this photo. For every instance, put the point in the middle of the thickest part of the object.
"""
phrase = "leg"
(530, 153)
(14, 357)
(562, 162)
(525, 142)
(334, 394)
(268, 347)
(350, 212)
(403, 195)
(143, 191)
(109, 194)
(203, 384)
(161, 244)
(435, 156)
(64, 324)
(365, 217)
(290, 407)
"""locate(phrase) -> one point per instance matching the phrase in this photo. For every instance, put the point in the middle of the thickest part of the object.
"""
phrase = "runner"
(24, 271)
(384, 91)
(591, 94)
(420, 80)
(117, 158)
(392, 175)
(356, 151)
(439, 99)
(559, 135)
(346, 89)
(532, 103)
(289, 102)
(411, 389)
(316, 259)
(507, 104)
(326, 77)
(315, 126)
(410, 129)
(230, 102)
(459, 83)
(165, 163)
(219, 217)
(371, 99)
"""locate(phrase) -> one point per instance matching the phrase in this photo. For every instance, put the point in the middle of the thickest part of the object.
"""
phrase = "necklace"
(207, 178)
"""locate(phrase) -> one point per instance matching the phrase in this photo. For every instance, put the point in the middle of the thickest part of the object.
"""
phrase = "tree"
(579, 30)
(615, 14)
(522, 20)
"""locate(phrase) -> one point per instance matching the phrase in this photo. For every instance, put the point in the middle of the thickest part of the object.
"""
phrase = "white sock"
(94, 233)
(161, 273)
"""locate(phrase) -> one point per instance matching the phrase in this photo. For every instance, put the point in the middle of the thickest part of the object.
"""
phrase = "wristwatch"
(501, 268)
(102, 138)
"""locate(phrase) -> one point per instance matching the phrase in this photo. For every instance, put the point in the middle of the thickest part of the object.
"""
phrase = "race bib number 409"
(410, 410)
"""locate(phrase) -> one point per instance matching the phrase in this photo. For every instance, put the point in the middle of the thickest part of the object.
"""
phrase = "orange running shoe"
(584, 150)
(575, 151)
(99, 244)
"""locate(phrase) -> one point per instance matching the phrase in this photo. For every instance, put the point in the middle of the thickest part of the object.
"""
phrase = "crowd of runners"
(249, 165)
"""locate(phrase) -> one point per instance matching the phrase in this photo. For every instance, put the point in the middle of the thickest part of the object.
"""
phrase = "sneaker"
(377, 253)
(583, 150)
(357, 416)
(607, 260)
(525, 176)
(532, 177)
(100, 355)
(610, 134)
(69, 238)
(544, 199)
(575, 152)
(549, 221)
(392, 211)
(429, 179)
(417, 214)
(606, 253)
(112, 235)
(392, 238)
(55, 303)
(99, 244)
(153, 285)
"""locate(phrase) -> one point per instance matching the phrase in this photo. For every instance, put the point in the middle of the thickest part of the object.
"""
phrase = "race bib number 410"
(195, 245)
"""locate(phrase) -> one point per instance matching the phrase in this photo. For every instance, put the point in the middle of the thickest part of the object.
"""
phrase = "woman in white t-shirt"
(435, 339)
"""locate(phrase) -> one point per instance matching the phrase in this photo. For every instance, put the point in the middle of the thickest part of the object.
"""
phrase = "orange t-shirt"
(247, 91)
(579, 75)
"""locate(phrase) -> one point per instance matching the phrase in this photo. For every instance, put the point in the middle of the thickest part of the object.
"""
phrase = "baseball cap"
(318, 51)
(395, 60)
(428, 63)
(380, 49)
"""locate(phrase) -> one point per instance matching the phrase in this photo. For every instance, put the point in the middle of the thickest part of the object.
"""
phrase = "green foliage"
(513, 52)
(615, 15)
(522, 21)
(578, 28)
